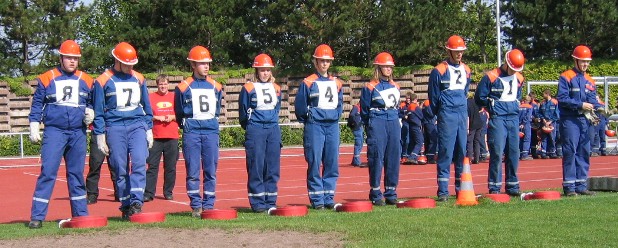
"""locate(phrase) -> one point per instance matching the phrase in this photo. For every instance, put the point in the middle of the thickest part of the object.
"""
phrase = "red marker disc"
(418, 203)
(289, 211)
(546, 195)
(501, 198)
(219, 214)
(84, 222)
(152, 217)
(354, 207)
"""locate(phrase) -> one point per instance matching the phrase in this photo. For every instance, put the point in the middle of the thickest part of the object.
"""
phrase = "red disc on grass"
(143, 218)
(219, 214)
(84, 222)
(289, 211)
(355, 207)
(546, 195)
(501, 198)
(418, 203)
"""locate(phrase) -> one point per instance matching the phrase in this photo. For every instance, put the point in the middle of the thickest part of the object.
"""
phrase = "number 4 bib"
(328, 94)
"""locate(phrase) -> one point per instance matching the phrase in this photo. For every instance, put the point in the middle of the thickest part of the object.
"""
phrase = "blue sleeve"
(481, 97)
(244, 101)
(365, 102)
(98, 99)
(36, 110)
(419, 116)
(340, 104)
(178, 111)
(219, 94)
(146, 105)
(434, 90)
(591, 97)
(563, 96)
(300, 103)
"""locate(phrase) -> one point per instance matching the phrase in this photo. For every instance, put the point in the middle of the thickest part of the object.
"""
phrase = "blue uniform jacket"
(258, 107)
(549, 110)
(184, 98)
(525, 114)
(354, 119)
(374, 106)
(575, 88)
(493, 87)
(68, 111)
(441, 96)
(120, 99)
(428, 116)
(307, 103)
(415, 114)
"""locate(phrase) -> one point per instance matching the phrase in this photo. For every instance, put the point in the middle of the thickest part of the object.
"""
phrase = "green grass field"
(583, 221)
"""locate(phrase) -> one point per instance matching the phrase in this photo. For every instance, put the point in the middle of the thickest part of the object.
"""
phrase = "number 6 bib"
(204, 103)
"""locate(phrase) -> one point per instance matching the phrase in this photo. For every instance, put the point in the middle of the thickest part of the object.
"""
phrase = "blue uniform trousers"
(548, 143)
(503, 133)
(128, 142)
(358, 145)
(524, 145)
(452, 140)
(405, 139)
(576, 153)
(263, 150)
(58, 144)
(383, 151)
(416, 141)
(599, 143)
(431, 140)
(321, 143)
(201, 153)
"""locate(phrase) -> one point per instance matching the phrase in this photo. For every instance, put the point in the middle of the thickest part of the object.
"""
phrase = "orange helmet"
(455, 43)
(582, 52)
(323, 52)
(199, 54)
(384, 58)
(521, 135)
(515, 60)
(610, 133)
(263, 61)
(548, 129)
(70, 48)
(125, 53)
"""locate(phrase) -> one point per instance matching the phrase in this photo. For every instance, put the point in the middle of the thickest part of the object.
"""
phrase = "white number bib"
(458, 77)
(510, 85)
(128, 95)
(204, 103)
(328, 94)
(266, 96)
(390, 97)
(67, 93)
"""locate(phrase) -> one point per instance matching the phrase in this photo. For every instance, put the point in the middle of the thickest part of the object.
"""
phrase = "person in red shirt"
(165, 132)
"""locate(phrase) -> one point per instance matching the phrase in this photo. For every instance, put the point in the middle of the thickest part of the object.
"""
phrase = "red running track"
(18, 177)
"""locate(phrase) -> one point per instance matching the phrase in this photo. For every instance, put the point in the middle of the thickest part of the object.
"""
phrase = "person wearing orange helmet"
(123, 125)
(63, 102)
(525, 123)
(379, 111)
(258, 111)
(449, 82)
(576, 95)
(197, 105)
(499, 91)
(549, 115)
(319, 106)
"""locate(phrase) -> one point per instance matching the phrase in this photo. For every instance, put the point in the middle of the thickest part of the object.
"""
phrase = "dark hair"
(162, 77)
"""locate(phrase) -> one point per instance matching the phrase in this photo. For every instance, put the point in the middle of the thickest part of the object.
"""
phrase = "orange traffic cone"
(466, 196)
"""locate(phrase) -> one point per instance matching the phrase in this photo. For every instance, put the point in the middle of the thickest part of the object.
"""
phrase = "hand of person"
(149, 138)
(35, 133)
(587, 106)
(88, 116)
(102, 144)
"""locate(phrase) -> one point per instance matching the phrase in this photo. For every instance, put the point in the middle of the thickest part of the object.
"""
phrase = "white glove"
(102, 144)
(149, 138)
(88, 116)
(35, 133)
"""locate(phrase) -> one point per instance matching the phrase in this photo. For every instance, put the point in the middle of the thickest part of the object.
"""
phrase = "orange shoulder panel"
(139, 76)
(372, 84)
(589, 78)
(248, 86)
(308, 81)
(402, 104)
(426, 103)
(339, 84)
(493, 75)
(442, 67)
(103, 78)
(412, 107)
(570, 74)
(182, 86)
(525, 105)
(48, 76)
(520, 78)
(467, 68)
(554, 101)
(87, 78)
(217, 85)
(277, 89)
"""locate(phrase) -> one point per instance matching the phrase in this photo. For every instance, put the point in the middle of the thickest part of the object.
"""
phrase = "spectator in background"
(405, 128)
(356, 124)
(415, 133)
(430, 133)
(165, 133)
(599, 143)
(95, 161)
(475, 125)
(525, 120)
(483, 148)
(549, 114)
